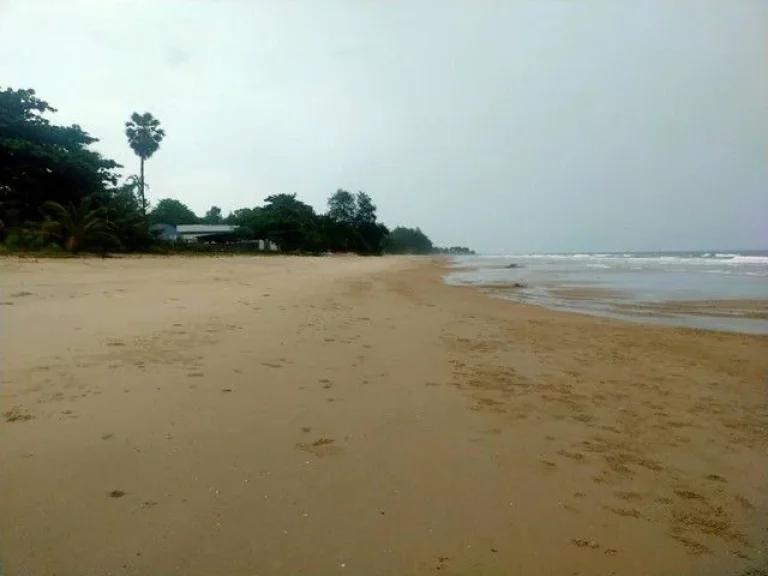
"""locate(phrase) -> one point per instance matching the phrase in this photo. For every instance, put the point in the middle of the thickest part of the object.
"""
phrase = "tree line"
(58, 193)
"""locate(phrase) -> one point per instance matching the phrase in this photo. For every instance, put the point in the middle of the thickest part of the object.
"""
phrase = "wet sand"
(748, 316)
(321, 416)
(748, 309)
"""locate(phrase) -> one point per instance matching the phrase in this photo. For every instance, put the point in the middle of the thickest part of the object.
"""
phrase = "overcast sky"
(506, 125)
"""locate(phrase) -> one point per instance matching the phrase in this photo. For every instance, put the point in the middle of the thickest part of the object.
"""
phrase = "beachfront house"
(217, 233)
(210, 234)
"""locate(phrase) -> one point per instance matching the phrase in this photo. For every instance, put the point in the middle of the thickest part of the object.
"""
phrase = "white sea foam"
(750, 259)
(704, 259)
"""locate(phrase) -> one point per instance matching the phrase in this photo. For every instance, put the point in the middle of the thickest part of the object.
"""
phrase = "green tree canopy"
(42, 162)
(342, 207)
(365, 210)
(290, 223)
(403, 240)
(213, 216)
(172, 212)
(242, 216)
(350, 224)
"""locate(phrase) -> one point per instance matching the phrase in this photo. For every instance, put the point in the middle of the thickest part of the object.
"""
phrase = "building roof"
(164, 231)
(204, 228)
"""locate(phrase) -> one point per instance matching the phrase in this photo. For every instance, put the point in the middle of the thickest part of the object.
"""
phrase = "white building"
(216, 233)
(205, 232)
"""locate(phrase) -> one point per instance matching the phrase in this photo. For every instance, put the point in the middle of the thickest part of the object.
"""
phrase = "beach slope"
(203, 416)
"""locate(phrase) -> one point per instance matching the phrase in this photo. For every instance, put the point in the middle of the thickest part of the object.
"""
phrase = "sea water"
(637, 277)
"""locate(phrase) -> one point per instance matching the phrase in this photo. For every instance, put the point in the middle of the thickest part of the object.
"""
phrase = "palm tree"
(76, 225)
(133, 184)
(144, 136)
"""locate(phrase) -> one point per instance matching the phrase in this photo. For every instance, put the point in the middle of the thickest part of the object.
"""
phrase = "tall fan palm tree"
(144, 136)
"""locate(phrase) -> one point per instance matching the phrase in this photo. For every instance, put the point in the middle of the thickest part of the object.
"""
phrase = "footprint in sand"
(744, 502)
(688, 495)
(20, 294)
(576, 456)
(322, 447)
(625, 512)
(693, 547)
(629, 496)
(583, 543)
(17, 414)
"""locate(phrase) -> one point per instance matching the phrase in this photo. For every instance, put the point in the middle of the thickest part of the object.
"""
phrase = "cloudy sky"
(506, 125)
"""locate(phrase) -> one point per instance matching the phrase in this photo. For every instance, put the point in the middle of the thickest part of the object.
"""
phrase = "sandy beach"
(318, 416)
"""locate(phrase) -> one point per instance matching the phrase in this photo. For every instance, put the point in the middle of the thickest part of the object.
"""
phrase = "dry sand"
(356, 416)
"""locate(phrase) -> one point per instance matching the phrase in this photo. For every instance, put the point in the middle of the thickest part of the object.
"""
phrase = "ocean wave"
(749, 259)
(663, 260)
(738, 272)
(703, 258)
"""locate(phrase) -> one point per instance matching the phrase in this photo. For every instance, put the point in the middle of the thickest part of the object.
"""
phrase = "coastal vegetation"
(57, 193)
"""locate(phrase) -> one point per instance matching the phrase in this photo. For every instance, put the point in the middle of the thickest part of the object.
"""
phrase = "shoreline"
(706, 290)
(737, 315)
(366, 414)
